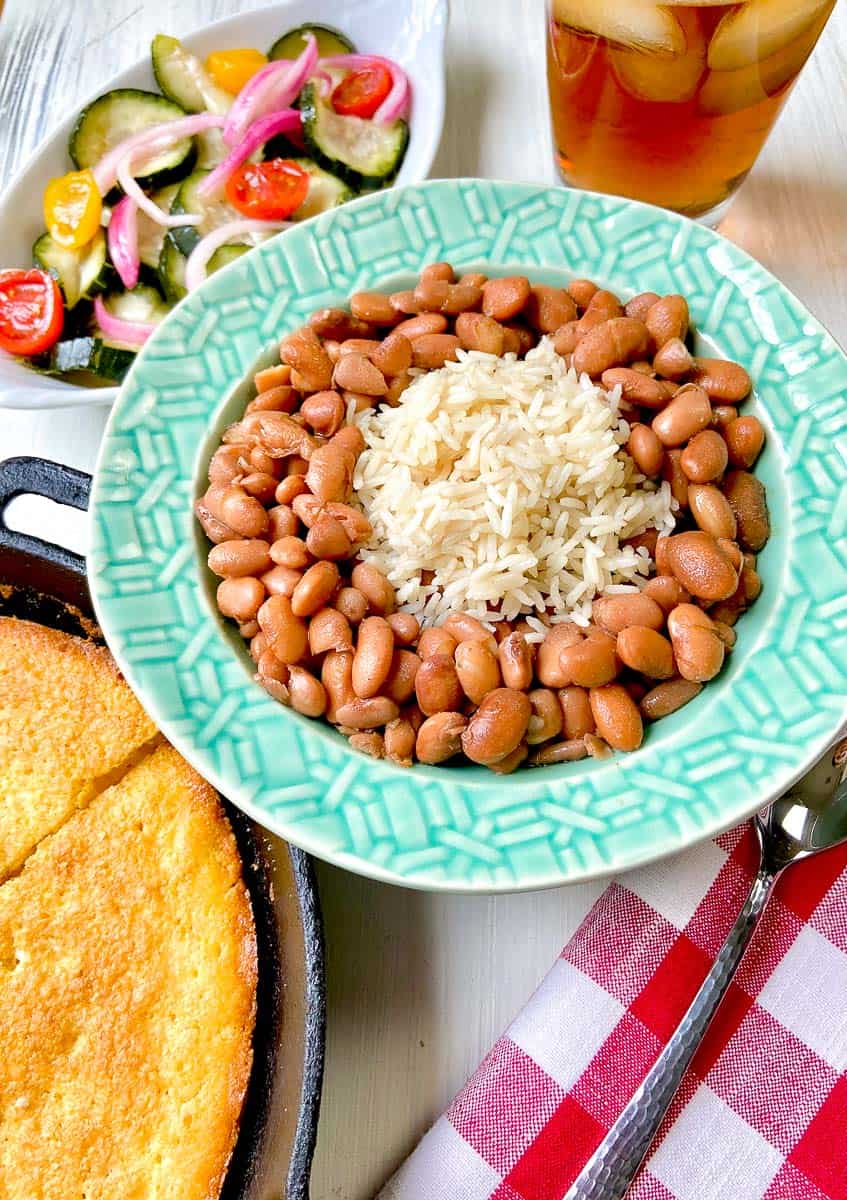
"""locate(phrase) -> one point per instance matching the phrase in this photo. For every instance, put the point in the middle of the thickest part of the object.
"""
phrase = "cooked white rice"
(507, 479)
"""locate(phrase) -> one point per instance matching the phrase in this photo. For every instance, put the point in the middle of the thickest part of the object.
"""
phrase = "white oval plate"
(412, 33)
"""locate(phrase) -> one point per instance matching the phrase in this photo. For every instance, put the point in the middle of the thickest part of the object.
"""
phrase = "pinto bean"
(605, 305)
(271, 378)
(701, 566)
(306, 694)
(328, 539)
(399, 742)
(352, 604)
(547, 308)
(697, 645)
(369, 713)
(711, 510)
(616, 716)
(437, 685)
(405, 628)
(577, 717)
(286, 490)
(515, 662)
(667, 697)
(505, 766)
(374, 308)
(675, 477)
(329, 630)
(284, 629)
(240, 597)
(372, 659)
(226, 464)
(290, 552)
(548, 667)
(746, 496)
(465, 628)
(565, 338)
(705, 457)
(436, 640)
(475, 331)
(640, 305)
(646, 450)
(636, 388)
(330, 473)
(240, 556)
(556, 752)
(667, 319)
(667, 591)
(646, 651)
(281, 581)
(423, 324)
(309, 362)
(324, 411)
(724, 381)
(617, 612)
(337, 678)
(722, 414)
(432, 350)
(394, 355)
(440, 737)
(284, 437)
(338, 324)
(581, 291)
(279, 399)
(504, 298)
(745, 437)
(241, 513)
(314, 589)
(260, 485)
(477, 668)
(591, 662)
(355, 373)
(673, 360)
(546, 719)
(615, 342)
(688, 413)
(374, 587)
(368, 742)
(497, 727)
(400, 682)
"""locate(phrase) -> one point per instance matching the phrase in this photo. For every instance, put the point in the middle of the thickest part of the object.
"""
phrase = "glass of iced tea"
(671, 103)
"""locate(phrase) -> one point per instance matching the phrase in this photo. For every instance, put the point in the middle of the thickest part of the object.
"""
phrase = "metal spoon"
(810, 817)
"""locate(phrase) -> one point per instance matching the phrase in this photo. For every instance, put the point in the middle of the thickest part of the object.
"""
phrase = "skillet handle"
(41, 477)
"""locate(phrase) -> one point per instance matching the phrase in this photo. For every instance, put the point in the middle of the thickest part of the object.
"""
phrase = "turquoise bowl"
(743, 741)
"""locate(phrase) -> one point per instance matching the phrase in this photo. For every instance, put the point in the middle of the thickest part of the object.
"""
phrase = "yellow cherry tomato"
(231, 69)
(72, 209)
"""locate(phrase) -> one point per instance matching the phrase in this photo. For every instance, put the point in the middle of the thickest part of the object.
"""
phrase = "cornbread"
(127, 960)
(67, 721)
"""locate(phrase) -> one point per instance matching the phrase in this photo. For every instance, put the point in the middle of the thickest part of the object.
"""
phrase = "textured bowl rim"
(748, 747)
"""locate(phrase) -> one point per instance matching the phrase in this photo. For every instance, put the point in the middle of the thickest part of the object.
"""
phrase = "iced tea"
(671, 103)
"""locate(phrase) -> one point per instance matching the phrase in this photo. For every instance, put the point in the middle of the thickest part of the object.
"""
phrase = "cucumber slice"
(363, 153)
(94, 355)
(118, 114)
(325, 191)
(223, 256)
(183, 78)
(143, 305)
(171, 269)
(151, 235)
(80, 273)
(212, 213)
(330, 41)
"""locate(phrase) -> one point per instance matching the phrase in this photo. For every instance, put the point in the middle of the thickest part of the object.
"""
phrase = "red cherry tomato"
(361, 92)
(31, 312)
(269, 191)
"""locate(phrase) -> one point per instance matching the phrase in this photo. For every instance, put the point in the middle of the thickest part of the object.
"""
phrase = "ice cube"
(728, 91)
(759, 29)
(673, 80)
(639, 24)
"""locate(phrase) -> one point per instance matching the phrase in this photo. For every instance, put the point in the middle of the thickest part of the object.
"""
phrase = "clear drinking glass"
(671, 103)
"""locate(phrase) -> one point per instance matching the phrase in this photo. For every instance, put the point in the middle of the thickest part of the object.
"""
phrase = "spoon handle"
(611, 1169)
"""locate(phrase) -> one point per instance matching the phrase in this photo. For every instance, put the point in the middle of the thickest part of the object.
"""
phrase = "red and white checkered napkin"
(762, 1112)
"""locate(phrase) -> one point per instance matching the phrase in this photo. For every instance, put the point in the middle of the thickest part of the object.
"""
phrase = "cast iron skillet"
(272, 1158)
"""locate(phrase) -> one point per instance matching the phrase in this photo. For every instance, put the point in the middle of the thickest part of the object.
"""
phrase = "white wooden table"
(420, 985)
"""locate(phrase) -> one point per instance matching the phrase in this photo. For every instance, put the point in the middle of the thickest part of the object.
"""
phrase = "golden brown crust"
(67, 719)
(127, 996)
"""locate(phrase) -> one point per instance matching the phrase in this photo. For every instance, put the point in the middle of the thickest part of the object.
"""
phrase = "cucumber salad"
(169, 186)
